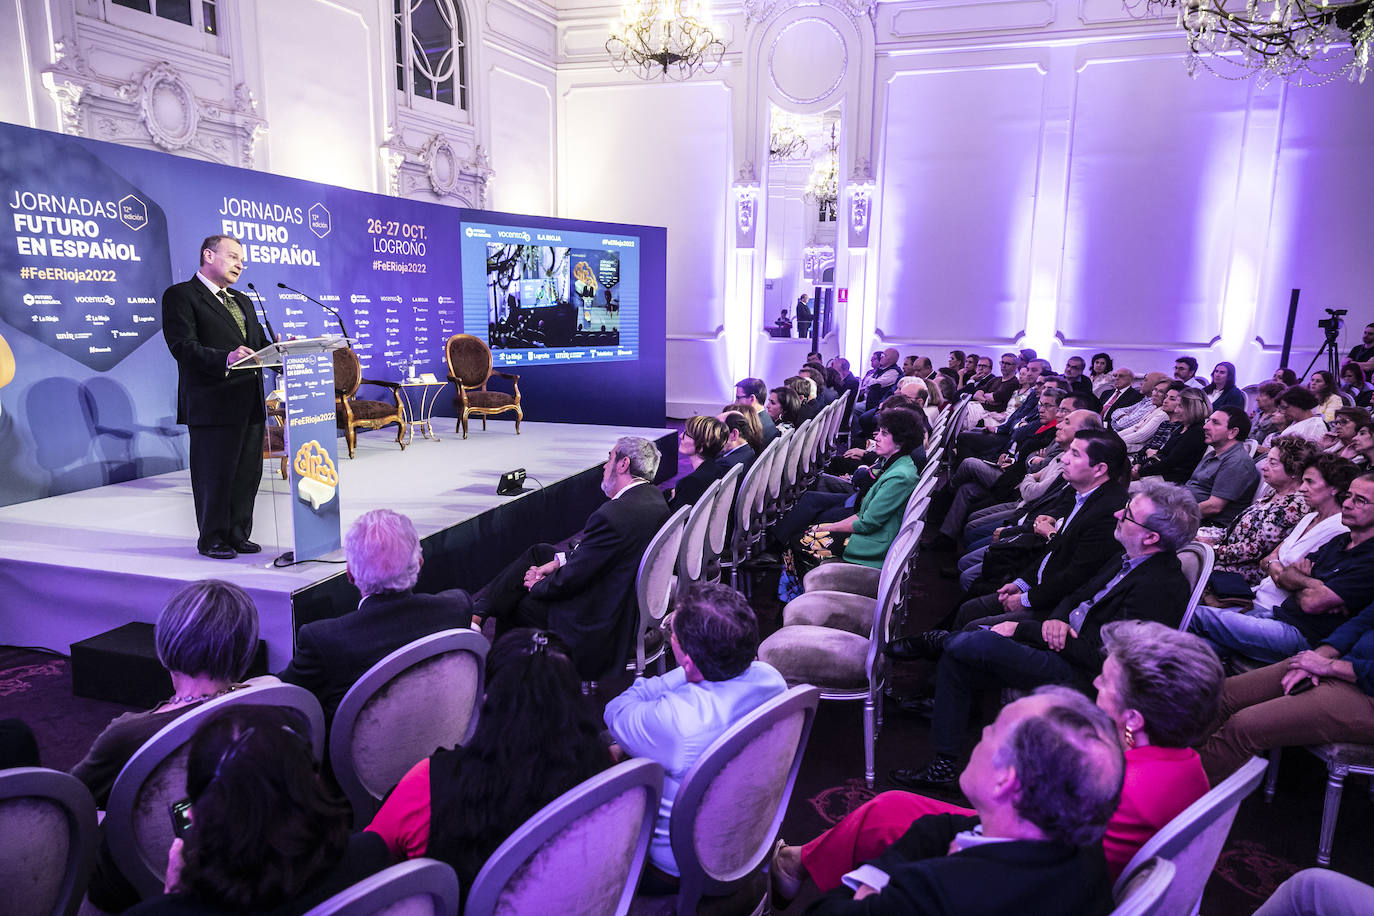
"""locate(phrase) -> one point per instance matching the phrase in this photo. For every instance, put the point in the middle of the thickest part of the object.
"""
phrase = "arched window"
(431, 56)
(201, 15)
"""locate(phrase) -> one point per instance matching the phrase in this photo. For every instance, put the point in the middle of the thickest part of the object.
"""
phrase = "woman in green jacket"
(873, 528)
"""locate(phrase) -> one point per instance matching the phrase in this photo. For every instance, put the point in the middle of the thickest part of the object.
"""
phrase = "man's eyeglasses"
(1126, 516)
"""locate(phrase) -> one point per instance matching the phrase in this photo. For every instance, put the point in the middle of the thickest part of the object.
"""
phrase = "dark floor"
(1268, 843)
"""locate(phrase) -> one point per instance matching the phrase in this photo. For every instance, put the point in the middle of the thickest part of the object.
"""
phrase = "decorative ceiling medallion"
(807, 61)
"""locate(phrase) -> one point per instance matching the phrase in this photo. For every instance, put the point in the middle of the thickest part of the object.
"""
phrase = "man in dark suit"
(1066, 646)
(1121, 395)
(587, 596)
(208, 328)
(1035, 844)
(383, 555)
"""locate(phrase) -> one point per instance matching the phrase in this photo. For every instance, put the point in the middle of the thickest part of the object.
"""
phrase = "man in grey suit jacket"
(383, 555)
(587, 596)
(208, 328)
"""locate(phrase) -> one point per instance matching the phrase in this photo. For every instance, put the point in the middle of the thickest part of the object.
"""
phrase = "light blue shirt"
(672, 722)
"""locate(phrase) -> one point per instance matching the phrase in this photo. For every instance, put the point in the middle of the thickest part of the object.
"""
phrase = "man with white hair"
(383, 555)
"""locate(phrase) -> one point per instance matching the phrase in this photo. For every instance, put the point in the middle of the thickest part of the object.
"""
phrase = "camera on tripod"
(1333, 324)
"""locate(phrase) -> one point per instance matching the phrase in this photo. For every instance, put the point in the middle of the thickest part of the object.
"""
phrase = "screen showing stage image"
(540, 295)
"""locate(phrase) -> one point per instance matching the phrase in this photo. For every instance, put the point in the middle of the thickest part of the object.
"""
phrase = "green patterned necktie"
(234, 311)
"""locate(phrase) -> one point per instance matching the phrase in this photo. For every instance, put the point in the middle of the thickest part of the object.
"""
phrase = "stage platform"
(79, 564)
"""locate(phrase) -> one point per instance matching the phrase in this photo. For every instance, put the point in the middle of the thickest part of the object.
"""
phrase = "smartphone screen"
(181, 816)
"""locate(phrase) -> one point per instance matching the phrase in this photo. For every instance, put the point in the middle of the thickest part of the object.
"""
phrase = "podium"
(310, 438)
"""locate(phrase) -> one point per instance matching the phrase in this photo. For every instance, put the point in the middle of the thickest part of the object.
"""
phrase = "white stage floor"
(75, 565)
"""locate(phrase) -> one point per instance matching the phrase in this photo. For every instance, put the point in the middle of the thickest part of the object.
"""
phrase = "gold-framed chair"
(353, 413)
(469, 368)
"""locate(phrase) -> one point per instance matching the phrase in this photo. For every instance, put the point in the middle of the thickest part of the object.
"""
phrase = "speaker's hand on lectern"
(237, 355)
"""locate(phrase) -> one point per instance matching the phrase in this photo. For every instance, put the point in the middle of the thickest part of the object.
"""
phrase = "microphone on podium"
(262, 307)
(331, 311)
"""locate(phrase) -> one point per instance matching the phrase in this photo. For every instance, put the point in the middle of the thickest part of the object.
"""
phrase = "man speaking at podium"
(208, 327)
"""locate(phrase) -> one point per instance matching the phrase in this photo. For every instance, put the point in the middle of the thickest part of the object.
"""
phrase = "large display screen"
(541, 295)
(93, 233)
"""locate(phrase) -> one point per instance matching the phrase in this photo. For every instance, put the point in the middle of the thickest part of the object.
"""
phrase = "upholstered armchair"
(469, 369)
(359, 413)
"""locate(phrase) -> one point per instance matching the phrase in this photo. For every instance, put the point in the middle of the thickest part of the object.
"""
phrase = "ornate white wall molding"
(434, 167)
(159, 107)
(760, 10)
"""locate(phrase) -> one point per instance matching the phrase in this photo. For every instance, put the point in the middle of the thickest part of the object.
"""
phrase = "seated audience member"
(985, 413)
(18, 746)
(1267, 521)
(1324, 486)
(880, 379)
(981, 380)
(1262, 419)
(1297, 404)
(743, 440)
(1225, 480)
(970, 367)
(1161, 687)
(976, 479)
(873, 527)
(995, 399)
(701, 441)
(1044, 781)
(1122, 394)
(783, 407)
(205, 637)
(1341, 439)
(954, 366)
(1095, 468)
(1222, 392)
(1065, 647)
(1177, 458)
(536, 738)
(1322, 384)
(817, 376)
(1137, 424)
(674, 718)
(1261, 711)
(1185, 370)
(1285, 376)
(1364, 446)
(1354, 383)
(1042, 492)
(587, 595)
(988, 442)
(1073, 373)
(1319, 892)
(267, 836)
(752, 393)
(848, 386)
(382, 551)
(806, 392)
(1323, 589)
(1102, 377)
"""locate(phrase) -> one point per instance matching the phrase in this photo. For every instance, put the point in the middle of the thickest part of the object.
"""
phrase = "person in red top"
(1163, 690)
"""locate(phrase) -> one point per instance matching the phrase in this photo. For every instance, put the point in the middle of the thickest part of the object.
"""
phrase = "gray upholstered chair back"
(777, 470)
(811, 444)
(792, 467)
(1197, 559)
(420, 887)
(728, 811)
(654, 584)
(691, 555)
(581, 853)
(1193, 839)
(137, 827)
(760, 490)
(48, 838)
(1144, 894)
(720, 510)
(424, 696)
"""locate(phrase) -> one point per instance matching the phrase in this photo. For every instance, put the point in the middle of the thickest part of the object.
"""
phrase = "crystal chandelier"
(823, 187)
(1306, 42)
(670, 39)
(785, 137)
